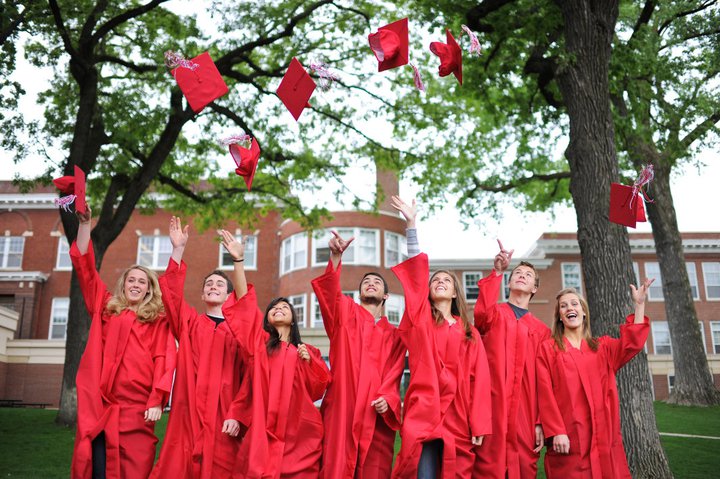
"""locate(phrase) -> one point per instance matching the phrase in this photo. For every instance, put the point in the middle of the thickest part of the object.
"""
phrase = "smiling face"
(280, 314)
(571, 311)
(523, 279)
(215, 290)
(372, 290)
(442, 286)
(136, 286)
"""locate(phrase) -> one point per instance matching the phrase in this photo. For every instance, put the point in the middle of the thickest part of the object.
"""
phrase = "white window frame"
(58, 304)
(693, 279)
(63, 253)
(250, 254)
(301, 299)
(315, 314)
(473, 284)
(656, 288)
(159, 262)
(505, 287)
(296, 243)
(671, 382)
(705, 267)
(394, 308)
(564, 267)
(655, 326)
(352, 254)
(715, 327)
(702, 335)
(5, 242)
(401, 248)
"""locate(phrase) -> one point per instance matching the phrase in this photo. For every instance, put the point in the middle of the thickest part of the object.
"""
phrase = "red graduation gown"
(449, 393)
(285, 430)
(207, 382)
(127, 367)
(511, 346)
(367, 361)
(578, 397)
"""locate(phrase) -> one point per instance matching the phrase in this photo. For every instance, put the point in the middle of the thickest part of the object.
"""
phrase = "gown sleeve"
(172, 285)
(93, 289)
(390, 383)
(480, 419)
(333, 303)
(163, 355)
(632, 340)
(485, 310)
(316, 373)
(550, 417)
(246, 322)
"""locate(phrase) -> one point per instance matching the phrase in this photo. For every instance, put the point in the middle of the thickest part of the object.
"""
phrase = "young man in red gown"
(202, 434)
(361, 409)
(512, 336)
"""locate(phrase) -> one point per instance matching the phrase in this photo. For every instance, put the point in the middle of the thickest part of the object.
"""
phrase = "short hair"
(230, 287)
(532, 267)
(373, 273)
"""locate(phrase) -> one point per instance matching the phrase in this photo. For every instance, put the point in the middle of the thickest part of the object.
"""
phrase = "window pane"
(711, 272)
(11, 251)
(164, 251)
(317, 315)
(715, 329)
(63, 257)
(692, 276)
(470, 281)
(59, 318)
(394, 307)
(661, 337)
(652, 270)
(145, 250)
(250, 253)
(571, 276)
(298, 304)
(299, 250)
(367, 243)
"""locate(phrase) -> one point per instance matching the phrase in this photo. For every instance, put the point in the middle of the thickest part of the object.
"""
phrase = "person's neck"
(445, 308)
(375, 309)
(214, 310)
(520, 299)
(284, 333)
(575, 336)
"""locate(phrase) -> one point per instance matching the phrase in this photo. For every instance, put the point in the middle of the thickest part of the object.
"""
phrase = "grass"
(32, 446)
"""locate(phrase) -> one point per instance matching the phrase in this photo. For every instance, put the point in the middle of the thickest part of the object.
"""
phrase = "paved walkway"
(675, 434)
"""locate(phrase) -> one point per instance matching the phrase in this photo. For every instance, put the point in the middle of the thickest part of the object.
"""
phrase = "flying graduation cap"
(450, 56)
(296, 88)
(390, 45)
(199, 79)
(73, 187)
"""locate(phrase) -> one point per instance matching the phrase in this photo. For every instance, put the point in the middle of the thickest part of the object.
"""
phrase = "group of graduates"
(485, 393)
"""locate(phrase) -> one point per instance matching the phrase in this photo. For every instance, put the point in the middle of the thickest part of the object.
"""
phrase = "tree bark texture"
(694, 384)
(607, 266)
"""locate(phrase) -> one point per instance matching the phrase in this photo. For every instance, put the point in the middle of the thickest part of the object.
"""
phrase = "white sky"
(442, 235)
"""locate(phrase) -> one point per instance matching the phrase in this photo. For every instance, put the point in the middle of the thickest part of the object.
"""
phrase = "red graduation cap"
(200, 81)
(246, 160)
(74, 188)
(450, 56)
(390, 45)
(626, 205)
(296, 88)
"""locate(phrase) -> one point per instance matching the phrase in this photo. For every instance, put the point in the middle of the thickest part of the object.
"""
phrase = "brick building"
(281, 259)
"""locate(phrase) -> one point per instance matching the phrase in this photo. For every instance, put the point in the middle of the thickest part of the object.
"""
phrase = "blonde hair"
(558, 328)
(458, 305)
(149, 308)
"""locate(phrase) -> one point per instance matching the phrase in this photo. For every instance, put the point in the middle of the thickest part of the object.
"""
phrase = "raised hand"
(178, 234)
(338, 245)
(232, 245)
(303, 352)
(84, 218)
(83, 234)
(408, 211)
(639, 295)
(502, 259)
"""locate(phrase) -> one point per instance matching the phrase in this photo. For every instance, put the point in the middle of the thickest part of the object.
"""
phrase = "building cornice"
(29, 201)
(484, 264)
(545, 247)
(36, 276)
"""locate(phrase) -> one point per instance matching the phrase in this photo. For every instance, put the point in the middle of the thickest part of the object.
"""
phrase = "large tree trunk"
(694, 384)
(607, 265)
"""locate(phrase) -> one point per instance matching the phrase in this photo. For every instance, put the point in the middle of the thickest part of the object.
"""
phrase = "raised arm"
(178, 238)
(237, 252)
(337, 246)
(633, 333)
(489, 290)
(84, 228)
(409, 212)
(639, 295)
(172, 282)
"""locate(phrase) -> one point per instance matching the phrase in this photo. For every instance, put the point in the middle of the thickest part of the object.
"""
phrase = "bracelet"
(238, 260)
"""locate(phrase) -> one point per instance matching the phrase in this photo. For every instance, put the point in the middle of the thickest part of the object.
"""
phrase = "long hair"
(458, 306)
(273, 341)
(149, 308)
(558, 328)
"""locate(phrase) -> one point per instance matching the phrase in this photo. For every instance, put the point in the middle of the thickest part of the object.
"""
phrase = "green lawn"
(32, 446)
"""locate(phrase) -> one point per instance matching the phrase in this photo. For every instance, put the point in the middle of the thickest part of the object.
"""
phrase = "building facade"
(281, 259)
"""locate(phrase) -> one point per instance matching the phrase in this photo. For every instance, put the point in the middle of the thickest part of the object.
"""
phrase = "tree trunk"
(77, 333)
(607, 265)
(694, 384)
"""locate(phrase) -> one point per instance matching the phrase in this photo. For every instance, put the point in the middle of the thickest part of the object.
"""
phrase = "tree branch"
(700, 130)
(126, 64)
(479, 186)
(225, 62)
(644, 17)
(231, 115)
(64, 35)
(686, 13)
(5, 34)
(124, 17)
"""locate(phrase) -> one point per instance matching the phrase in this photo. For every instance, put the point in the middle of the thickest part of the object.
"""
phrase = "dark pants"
(98, 456)
(430, 460)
